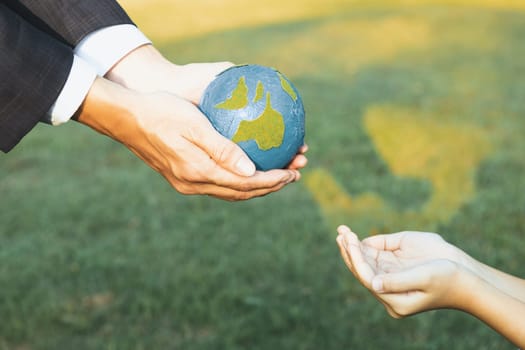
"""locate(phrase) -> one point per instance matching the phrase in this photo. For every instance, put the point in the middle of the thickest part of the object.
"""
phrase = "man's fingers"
(257, 192)
(193, 78)
(224, 152)
(204, 176)
(298, 162)
(259, 181)
(204, 170)
(229, 156)
(228, 193)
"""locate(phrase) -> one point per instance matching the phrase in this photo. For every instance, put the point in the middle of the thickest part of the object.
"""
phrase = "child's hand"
(408, 272)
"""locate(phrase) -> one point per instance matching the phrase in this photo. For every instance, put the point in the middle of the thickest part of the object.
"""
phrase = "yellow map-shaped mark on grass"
(267, 130)
(444, 153)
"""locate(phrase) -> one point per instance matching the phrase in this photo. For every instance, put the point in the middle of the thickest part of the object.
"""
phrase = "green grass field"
(414, 121)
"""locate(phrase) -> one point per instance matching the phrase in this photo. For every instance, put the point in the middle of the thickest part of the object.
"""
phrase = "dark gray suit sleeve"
(36, 41)
(33, 69)
(71, 20)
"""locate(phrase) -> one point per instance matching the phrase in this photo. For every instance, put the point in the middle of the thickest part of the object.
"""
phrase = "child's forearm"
(498, 309)
(508, 284)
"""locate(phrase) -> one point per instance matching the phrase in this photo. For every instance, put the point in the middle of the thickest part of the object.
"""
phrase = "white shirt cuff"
(81, 77)
(105, 47)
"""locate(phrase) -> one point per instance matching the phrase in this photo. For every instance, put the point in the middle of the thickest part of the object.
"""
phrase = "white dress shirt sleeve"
(94, 55)
(105, 47)
(81, 77)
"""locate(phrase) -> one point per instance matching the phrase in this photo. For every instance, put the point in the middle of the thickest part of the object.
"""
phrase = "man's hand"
(173, 137)
(145, 69)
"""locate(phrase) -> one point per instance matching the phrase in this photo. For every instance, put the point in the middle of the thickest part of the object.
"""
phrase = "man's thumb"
(228, 155)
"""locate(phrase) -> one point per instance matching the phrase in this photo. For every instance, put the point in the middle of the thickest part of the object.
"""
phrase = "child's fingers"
(344, 254)
(386, 242)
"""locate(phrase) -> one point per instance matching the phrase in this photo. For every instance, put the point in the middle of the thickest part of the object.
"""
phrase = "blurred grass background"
(414, 121)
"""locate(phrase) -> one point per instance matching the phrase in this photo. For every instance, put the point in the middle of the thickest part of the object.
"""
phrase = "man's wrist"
(95, 54)
(107, 46)
(80, 79)
(130, 72)
(108, 109)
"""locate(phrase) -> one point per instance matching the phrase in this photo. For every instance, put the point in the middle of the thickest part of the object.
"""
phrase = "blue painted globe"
(258, 108)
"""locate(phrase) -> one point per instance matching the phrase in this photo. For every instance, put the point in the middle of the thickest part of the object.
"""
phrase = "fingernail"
(245, 166)
(377, 285)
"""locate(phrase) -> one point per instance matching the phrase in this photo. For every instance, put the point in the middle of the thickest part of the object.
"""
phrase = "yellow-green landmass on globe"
(239, 97)
(287, 87)
(267, 130)
(259, 92)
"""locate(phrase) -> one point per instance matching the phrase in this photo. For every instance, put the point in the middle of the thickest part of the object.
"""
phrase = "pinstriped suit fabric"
(36, 53)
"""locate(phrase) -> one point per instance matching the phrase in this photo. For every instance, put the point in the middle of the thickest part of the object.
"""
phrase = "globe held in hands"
(258, 108)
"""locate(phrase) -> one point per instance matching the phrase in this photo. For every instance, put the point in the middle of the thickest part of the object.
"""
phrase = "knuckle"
(399, 313)
(192, 173)
(189, 177)
(223, 152)
(207, 173)
(220, 154)
(403, 311)
(244, 196)
(194, 132)
(395, 315)
(244, 186)
(184, 189)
